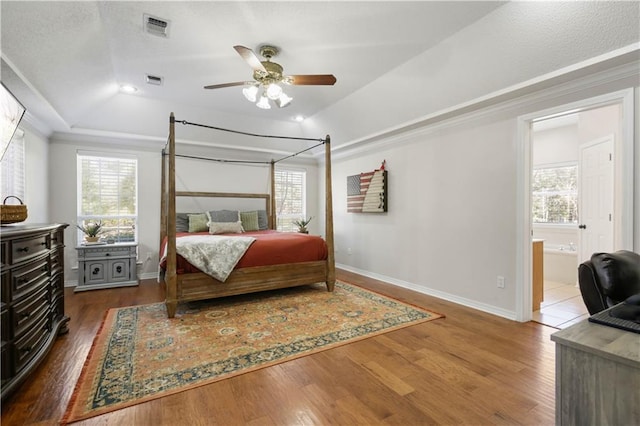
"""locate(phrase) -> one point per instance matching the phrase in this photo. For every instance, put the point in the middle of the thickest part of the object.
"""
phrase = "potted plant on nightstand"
(91, 231)
(302, 225)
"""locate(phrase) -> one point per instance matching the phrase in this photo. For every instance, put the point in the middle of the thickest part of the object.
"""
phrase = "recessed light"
(299, 118)
(127, 88)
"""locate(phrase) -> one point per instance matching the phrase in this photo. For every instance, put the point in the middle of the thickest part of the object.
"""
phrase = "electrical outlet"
(500, 281)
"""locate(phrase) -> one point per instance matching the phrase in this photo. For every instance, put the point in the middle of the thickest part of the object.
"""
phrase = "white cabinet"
(106, 266)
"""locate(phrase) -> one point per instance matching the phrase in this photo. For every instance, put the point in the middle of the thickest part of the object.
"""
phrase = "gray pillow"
(263, 221)
(182, 222)
(223, 216)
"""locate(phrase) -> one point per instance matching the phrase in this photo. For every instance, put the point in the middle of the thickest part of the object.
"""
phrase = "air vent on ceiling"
(156, 26)
(152, 79)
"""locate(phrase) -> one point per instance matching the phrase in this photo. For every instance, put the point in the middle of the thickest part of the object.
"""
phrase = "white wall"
(451, 226)
(36, 149)
(192, 175)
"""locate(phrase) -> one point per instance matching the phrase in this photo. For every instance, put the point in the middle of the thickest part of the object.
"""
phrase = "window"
(108, 192)
(555, 194)
(290, 198)
(13, 171)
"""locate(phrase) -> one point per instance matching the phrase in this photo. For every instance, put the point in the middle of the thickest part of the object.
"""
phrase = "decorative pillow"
(223, 215)
(198, 222)
(182, 222)
(263, 221)
(249, 221)
(225, 227)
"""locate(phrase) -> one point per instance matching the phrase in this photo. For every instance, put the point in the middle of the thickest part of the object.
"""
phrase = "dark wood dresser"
(32, 299)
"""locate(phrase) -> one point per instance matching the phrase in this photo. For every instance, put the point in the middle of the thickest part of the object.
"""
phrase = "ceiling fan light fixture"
(284, 100)
(251, 93)
(274, 91)
(263, 103)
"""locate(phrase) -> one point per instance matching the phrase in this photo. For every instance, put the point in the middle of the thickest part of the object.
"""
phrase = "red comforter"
(270, 248)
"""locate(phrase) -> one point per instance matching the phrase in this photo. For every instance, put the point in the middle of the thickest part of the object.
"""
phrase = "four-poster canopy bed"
(299, 270)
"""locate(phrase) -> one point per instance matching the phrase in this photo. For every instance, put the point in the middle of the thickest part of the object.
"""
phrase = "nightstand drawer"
(105, 252)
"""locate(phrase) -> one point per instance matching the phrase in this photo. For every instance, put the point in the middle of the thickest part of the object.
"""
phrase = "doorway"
(595, 122)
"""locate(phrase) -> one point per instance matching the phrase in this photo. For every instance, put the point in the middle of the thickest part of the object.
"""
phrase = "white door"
(595, 198)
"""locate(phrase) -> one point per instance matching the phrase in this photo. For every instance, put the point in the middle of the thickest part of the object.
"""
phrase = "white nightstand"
(106, 266)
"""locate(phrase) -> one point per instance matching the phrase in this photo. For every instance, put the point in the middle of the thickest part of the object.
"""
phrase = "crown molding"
(614, 66)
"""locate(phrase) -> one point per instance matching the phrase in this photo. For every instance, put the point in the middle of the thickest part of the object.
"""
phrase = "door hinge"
(609, 217)
(610, 156)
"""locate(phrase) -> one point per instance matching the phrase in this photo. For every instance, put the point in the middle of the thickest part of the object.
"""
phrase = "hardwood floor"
(468, 368)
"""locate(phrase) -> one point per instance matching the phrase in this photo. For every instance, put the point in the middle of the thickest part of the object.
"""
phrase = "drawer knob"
(107, 254)
(23, 249)
(45, 268)
(25, 350)
(119, 269)
(95, 271)
(25, 315)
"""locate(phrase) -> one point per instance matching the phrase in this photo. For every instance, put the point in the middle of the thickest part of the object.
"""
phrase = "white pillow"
(225, 227)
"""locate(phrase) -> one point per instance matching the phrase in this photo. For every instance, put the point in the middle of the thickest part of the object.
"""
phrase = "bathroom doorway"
(553, 143)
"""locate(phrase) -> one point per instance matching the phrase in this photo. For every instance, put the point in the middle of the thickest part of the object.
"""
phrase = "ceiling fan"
(268, 75)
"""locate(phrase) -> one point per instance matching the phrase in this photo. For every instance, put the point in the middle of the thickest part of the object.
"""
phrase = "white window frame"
(575, 193)
(284, 221)
(13, 169)
(81, 217)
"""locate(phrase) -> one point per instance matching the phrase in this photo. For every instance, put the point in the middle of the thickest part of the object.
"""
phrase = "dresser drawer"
(28, 248)
(27, 278)
(8, 370)
(57, 238)
(30, 310)
(4, 254)
(57, 307)
(57, 285)
(27, 346)
(5, 327)
(57, 260)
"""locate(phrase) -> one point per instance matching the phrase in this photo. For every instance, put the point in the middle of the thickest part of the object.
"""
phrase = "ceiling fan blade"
(250, 58)
(220, 86)
(312, 80)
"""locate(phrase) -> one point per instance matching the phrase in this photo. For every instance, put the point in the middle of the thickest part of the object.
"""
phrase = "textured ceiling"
(68, 59)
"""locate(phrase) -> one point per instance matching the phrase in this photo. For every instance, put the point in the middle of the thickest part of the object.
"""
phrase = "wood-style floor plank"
(469, 368)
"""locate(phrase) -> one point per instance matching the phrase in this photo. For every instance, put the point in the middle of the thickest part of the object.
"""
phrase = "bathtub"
(561, 263)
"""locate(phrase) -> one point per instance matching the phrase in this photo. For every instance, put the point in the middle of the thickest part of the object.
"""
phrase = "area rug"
(139, 354)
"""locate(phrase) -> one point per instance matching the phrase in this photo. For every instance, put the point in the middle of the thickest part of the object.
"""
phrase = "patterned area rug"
(139, 354)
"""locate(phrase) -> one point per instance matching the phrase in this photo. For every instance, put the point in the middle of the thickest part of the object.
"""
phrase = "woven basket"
(12, 214)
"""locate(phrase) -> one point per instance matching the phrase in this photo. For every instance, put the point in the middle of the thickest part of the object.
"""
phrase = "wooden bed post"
(163, 202)
(171, 277)
(272, 203)
(331, 261)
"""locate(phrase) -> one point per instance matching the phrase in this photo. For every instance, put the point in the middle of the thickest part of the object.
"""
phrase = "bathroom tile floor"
(562, 306)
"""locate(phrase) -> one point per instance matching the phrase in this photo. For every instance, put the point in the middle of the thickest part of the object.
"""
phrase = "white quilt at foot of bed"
(215, 255)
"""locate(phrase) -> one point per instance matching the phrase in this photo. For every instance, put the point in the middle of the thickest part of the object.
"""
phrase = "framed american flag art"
(367, 192)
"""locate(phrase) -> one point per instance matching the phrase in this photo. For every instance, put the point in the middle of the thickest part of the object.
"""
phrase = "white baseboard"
(435, 293)
(144, 276)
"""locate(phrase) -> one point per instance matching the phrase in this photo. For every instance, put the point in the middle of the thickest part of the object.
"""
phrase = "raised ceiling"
(66, 60)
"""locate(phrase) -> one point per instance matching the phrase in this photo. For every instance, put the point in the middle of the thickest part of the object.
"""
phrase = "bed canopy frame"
(199, 286)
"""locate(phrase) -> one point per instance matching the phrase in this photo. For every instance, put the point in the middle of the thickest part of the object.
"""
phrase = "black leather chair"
(608, 279)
